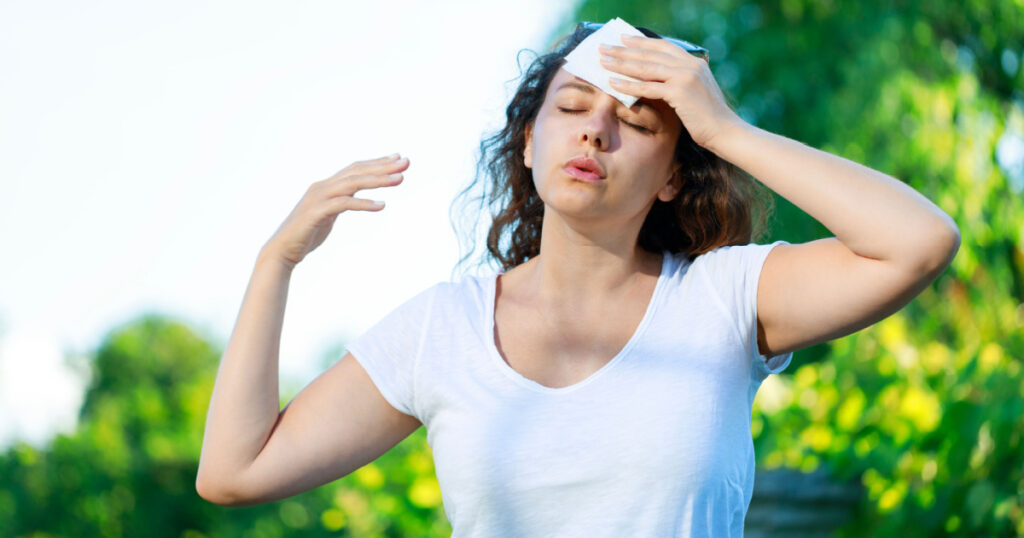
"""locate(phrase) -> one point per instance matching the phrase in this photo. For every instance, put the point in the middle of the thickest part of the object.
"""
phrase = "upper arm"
(820, 290)
(336, 424)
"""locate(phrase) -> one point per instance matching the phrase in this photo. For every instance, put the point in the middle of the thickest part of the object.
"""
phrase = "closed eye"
(634, 126)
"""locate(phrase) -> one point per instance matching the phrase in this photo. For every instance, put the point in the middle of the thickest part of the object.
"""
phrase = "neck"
(581, 267)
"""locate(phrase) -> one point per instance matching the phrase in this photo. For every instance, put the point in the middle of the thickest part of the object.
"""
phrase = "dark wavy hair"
(718, 204)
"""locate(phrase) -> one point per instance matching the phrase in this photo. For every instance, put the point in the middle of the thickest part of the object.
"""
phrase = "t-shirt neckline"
(525, 382)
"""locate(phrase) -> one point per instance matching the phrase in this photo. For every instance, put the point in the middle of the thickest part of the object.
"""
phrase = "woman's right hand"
(312, 218)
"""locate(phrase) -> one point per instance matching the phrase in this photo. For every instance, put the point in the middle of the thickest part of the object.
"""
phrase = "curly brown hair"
(718, 204)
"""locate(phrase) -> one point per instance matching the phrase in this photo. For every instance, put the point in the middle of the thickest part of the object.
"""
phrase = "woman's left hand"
(669, 73)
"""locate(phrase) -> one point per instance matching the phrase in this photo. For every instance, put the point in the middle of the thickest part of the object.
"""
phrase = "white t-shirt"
(656, 443)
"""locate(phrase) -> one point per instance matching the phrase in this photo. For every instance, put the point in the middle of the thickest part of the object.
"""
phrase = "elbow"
(216, 493)
(229, 493)
(950, 243)
(928, 253)
(942, 248)
(209, 492)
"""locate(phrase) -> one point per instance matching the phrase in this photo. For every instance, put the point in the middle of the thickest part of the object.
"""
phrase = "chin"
(573, 205)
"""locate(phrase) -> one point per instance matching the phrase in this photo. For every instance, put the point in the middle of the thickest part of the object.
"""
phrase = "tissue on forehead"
(585, 60)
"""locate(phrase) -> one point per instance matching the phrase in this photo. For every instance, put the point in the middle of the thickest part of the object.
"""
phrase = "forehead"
(566, 82)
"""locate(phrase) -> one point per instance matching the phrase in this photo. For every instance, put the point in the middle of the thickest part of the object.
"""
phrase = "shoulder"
(733, 271)
(466, 291)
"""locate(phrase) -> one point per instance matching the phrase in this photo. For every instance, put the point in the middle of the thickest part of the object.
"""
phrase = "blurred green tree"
(130, 468)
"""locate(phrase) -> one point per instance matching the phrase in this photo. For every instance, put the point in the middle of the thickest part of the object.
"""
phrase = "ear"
(668, 192)
(528, 152)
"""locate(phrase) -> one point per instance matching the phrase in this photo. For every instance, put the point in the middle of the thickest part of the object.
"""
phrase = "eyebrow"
(587, 88)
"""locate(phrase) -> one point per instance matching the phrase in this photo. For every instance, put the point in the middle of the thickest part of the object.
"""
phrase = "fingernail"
(396, 176)
(393, 156)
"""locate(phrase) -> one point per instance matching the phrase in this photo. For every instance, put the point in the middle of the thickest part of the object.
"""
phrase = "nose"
(597, 129)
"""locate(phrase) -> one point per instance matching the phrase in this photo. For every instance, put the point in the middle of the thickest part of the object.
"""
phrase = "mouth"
(582, 174)
(585, 168)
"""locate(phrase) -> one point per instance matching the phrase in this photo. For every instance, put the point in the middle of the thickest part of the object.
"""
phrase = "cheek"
(541, 145)
(663, 158)
(540, 135)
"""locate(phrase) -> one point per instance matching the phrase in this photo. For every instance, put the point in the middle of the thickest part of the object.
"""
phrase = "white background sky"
(148, 150)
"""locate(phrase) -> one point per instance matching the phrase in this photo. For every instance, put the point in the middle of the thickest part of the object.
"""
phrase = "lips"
(584, 167)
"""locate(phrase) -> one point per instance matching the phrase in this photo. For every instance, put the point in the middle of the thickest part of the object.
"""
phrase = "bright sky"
(148, 150)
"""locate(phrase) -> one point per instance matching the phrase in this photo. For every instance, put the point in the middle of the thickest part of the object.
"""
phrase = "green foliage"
(926, 406)
(130, 468)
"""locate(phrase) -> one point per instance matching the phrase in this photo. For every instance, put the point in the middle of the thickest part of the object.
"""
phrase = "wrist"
(270, 257)
(728, 137)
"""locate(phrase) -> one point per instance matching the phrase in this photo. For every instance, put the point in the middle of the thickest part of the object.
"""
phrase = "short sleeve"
(733, 273)
(389, 350)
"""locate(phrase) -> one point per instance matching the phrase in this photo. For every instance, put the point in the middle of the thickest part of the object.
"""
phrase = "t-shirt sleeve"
(389, 351)
(733, 273)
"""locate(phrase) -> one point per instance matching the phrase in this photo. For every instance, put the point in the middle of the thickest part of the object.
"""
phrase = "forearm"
(245, 404)
(871, 213)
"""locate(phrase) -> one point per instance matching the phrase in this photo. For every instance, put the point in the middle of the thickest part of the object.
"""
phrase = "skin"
(590, 273)
(588, 242)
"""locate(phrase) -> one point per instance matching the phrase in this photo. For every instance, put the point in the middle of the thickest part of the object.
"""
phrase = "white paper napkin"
(585, 60)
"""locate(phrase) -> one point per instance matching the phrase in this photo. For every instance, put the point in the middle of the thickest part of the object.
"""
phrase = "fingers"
(373, 164)
(662, 45)
(371, 176)
(347, 203)
(385, 166)
(637, 89)
(651, 50)
(639, 69)
(646, 63)
(353, 184)
(335, 194)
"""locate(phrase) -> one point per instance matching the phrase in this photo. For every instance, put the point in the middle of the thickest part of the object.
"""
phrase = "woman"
(601, 383)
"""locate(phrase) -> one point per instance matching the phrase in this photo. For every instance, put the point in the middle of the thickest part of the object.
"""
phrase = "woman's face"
(632, 146)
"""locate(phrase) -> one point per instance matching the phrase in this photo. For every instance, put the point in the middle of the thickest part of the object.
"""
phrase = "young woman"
(601, 382)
